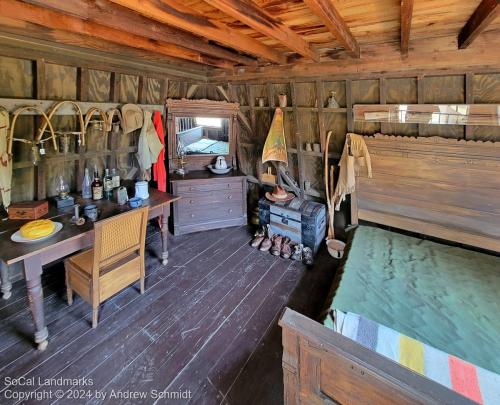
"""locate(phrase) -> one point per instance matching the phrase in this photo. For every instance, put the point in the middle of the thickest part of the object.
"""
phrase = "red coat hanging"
(159, 171)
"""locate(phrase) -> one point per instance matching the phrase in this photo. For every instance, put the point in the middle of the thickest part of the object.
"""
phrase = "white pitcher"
(221, 163)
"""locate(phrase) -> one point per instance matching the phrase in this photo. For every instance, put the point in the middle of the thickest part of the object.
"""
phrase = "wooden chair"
(115, 262)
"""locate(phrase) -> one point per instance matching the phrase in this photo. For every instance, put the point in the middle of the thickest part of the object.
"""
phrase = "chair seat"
(83, 261)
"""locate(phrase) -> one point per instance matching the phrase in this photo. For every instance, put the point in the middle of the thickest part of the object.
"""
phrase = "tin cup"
(91, 212)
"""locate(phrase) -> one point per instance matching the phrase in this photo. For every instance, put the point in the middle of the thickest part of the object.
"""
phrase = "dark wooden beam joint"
(332, 19)
(406, 17)
(484, 14)
(260, 20)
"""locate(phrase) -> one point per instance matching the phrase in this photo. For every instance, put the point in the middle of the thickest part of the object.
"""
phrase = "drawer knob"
(191, 201)
(230, 211)
(229, 197)
(229, 185)
(192, 215)
(191, 188)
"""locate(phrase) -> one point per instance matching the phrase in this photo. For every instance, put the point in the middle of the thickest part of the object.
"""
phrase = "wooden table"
(70, 239)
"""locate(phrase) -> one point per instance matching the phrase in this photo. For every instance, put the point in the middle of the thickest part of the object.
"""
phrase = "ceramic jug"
(220, 163)
(141, 189)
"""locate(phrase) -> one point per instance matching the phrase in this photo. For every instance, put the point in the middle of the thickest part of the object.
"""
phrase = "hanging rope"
(18, 112)
(51, 114)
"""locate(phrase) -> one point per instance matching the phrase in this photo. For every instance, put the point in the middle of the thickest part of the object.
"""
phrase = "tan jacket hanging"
(355, 161)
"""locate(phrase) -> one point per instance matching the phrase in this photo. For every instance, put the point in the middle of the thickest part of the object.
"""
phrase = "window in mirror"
(202, 135)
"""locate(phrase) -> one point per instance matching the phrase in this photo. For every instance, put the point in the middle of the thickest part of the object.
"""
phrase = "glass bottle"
(97, 189)
(86, 185)
(116, 178)
(108, 185)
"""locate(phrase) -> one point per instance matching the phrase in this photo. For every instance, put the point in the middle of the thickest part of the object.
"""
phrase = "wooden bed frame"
(439, 187)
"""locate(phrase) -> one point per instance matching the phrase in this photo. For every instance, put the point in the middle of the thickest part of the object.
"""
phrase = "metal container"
(302, 221)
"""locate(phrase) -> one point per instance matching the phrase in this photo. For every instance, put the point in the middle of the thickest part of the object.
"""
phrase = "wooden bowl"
(335, 248)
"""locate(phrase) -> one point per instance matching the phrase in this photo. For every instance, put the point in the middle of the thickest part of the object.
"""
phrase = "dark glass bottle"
(97, 188)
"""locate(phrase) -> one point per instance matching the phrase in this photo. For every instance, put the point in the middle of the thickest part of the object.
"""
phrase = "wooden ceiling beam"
(21, 38)
(176, 14)
(50, 19)
(260, 20)
(484, 14)
(112, 15)
(406, 17)
(332, 19)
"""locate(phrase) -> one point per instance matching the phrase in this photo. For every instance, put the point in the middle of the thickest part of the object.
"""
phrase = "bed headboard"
(445, 188)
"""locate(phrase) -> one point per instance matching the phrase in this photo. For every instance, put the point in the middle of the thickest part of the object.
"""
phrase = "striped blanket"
(473, 382)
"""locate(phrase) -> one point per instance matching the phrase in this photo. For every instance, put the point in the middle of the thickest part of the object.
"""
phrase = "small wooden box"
(28, 210)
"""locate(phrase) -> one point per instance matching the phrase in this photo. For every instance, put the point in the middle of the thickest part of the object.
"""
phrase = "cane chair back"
(118, 237)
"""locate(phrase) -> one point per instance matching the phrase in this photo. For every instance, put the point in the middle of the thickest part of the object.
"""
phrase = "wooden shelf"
(12, 104)
(335, 110)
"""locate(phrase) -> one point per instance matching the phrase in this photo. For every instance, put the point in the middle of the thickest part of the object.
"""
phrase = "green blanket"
(447, 297)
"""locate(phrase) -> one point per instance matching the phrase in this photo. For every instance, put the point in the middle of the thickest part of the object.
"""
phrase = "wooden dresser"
(208, 201)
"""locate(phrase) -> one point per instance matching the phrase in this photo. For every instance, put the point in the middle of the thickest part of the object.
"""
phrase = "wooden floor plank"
(102, 365)
(62, 348)
(231, 327)
(206, 324)
(259, 382)
(175, 342)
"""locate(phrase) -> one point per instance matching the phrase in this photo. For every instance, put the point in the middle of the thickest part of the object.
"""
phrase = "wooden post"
(469, 99)
(114, 87)
(420, 97)
(383, 100)
(321, 117)
(142, 89)
(40, 94)
(164, 91)
(348, 99)
(298, 138)
(82, 94)
(82, 84)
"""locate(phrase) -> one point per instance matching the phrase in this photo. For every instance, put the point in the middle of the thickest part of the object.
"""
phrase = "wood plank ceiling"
(229, 34)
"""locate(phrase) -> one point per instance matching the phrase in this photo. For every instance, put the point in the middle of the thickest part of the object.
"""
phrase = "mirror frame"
(200, 108)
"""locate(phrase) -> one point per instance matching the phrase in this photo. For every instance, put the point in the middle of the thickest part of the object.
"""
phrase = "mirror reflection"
(202, 135)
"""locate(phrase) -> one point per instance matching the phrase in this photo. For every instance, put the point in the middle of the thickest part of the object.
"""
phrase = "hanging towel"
(159, 171)
(5, 159)
(355, 161)
(149, 146)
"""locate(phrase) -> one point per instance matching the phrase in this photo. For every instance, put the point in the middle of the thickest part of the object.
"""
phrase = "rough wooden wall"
(61, 82)
(307, 119)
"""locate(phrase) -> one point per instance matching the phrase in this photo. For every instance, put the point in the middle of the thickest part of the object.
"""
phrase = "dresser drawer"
(210, 197)
(210, 212)
(194, 187)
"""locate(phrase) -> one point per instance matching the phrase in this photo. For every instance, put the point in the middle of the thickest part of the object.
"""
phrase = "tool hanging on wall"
(335, 247)
(96, 110)
(53, 110)
(34, 144)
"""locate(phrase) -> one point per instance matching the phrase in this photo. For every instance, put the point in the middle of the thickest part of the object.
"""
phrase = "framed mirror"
(201, 130)
(202, 135)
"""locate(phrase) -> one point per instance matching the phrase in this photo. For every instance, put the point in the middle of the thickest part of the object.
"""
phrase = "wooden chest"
(302, 221)
(28, 210)
(208, 201)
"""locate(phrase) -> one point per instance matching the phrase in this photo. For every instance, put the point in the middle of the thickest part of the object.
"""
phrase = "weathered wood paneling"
(99, 85)
(16, 78)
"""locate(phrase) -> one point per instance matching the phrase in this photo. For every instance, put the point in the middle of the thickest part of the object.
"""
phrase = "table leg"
(164, 233)
(6, 284)
(33, 273)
